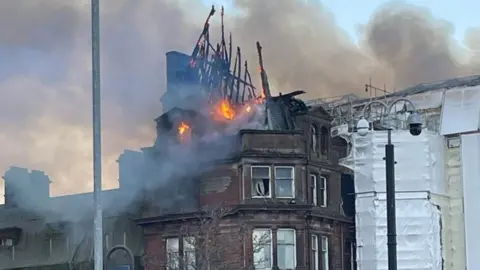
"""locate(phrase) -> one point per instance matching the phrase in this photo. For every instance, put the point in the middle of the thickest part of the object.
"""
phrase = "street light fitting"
(414, 119)
(363, 127)
(415, 124)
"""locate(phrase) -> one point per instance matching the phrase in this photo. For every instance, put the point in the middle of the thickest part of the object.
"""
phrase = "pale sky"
(351, 13)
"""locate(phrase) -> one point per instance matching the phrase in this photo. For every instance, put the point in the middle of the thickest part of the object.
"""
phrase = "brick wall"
(155, 255)
(220, 186)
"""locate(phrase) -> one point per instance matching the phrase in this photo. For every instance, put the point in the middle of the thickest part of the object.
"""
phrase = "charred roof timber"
(213, 88)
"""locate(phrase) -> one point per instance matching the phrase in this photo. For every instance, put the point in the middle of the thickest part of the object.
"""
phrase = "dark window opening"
(324, 134)
(314, 143)
(261, 181)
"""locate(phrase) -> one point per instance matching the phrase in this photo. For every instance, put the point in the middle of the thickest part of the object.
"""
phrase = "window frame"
(186, 250)
(270, 234)
(315, 252)
(324, 190)
(168, 253)
(107, 241)
(314, 144)
(292, 184)
(294, 244)
(352, 255)
(269, 181)
(324, 140)
(325, 252)
(314, 179)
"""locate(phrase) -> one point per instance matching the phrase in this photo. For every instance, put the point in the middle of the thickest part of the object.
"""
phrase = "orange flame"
(261, 98)
(226, 110)
(248, 108)
(183, 128)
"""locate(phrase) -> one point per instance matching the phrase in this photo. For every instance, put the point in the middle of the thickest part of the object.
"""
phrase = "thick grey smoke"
(401, 45)
(45, 96)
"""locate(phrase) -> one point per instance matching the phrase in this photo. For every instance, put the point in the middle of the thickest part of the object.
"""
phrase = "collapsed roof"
(220, 88)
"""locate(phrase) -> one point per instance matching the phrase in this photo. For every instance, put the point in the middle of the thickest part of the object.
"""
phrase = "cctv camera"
(362, 127)
(415, 124)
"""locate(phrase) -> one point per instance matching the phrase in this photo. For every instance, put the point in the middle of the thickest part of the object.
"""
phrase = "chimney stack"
(130, 167)
(24, 188)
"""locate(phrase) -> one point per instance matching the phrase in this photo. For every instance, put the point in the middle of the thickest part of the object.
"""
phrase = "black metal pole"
(391, 215)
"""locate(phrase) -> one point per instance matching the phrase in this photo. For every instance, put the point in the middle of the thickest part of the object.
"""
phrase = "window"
(284, 184)
(262, 248)
(314, 260)
(324, 140)
(314, 138)
(173, 254)
(323, 191)
(313, 183)
(189, 253)
(7, 242)
(286, 251)
(107, 241)
(325, 255)
(261, 181)
(350, 253)
(58, 245)
(122, 267)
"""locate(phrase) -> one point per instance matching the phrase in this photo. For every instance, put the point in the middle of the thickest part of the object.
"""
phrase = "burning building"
(236, 178)
(248, 179)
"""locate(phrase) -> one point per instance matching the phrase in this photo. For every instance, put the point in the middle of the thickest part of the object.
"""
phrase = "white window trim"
(191, 243)
(315, 250)
(352, 255)
(294, 244)
(315, 191)
(107, 241)
(324, 202)
(269, 231)
(243, 182)
(314, 137)
(325, 253)
(269, 183)
(168, 251)
(293, 181)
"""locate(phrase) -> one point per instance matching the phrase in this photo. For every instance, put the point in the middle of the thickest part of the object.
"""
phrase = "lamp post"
(97, 155)
(415, 127)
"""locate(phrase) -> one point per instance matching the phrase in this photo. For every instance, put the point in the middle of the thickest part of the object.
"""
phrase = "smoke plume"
(45, 75)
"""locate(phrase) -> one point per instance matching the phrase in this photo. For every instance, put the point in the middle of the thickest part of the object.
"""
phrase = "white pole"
(97, 154)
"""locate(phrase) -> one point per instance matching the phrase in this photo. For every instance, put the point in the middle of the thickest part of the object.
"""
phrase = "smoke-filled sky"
(45, 81)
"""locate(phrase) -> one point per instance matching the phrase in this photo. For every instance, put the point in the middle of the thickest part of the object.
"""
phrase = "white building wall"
(471, 189)
(453, 230)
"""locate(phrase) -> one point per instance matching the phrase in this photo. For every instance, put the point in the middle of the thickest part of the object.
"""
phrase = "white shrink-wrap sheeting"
(471, 190)
(461, 110)
(418, 173)
(418, 232)
(419, 162)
